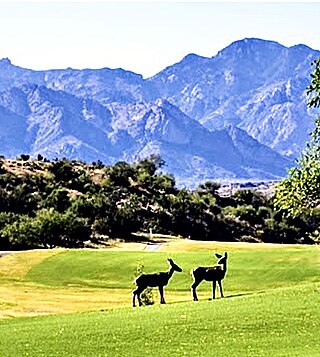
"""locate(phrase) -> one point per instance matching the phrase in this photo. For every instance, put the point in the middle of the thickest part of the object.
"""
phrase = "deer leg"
(134, 299)
(139, 299)
(162, 301)
(220, 286)
(136, 293)
(193, 288)
(214, 289)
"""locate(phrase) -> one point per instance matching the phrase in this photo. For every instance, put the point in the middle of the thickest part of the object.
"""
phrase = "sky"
(144, 37)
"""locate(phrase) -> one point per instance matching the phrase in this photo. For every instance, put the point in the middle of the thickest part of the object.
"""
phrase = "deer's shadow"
(244, 294)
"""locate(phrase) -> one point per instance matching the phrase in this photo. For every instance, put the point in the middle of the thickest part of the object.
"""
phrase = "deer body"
(154, 280)
(159, 280)
(214, 274)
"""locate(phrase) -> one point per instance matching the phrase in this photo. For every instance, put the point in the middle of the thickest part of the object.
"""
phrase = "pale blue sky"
(144, 37)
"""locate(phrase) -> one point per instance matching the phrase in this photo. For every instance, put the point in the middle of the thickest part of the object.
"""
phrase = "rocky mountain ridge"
(241, 114)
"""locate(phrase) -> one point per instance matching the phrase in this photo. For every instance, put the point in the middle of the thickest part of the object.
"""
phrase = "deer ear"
(218, 255)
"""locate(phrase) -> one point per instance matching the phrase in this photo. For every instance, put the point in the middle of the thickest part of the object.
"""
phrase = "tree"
(150, 165)
(120, 174)
(314, 88)
(300, 191)
(209, 187)
(21, 234)
(48, 229)
(62, 170)
(249, 197)
(6, 218)
(2, 169)
(24, 157)
(58, 199)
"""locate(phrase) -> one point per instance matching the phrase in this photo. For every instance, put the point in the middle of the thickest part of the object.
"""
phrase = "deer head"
(222, 259)
(174, 266)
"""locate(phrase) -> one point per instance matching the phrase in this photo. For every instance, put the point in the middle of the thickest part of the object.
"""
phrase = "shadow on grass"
(245, 294)
(235, 295)
(204, 299)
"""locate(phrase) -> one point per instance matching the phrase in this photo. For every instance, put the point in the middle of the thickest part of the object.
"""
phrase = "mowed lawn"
(271, 304)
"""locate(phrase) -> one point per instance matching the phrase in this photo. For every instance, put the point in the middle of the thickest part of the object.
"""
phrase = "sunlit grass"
(31, 299)
(65, 281)
(281, 322)
(185, 245)
(15, 266)
(84, 299)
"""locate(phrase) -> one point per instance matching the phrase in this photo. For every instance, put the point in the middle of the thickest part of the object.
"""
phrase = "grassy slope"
(282, 322)
(271, 309)
(249, 270)
(41, 282)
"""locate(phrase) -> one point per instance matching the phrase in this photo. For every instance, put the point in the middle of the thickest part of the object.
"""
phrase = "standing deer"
(159, 280)
(214, 274)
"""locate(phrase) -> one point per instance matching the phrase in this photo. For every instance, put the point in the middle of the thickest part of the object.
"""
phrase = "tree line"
(70, 204)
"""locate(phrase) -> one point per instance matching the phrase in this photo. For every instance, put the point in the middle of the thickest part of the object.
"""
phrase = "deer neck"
(170, 273)
(224, 267)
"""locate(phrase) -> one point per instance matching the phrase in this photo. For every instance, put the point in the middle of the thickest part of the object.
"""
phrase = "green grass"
(282, 322)
(248, 271)
(271, 307)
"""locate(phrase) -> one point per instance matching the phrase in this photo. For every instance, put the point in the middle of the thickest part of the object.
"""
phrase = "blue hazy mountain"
(240, 114)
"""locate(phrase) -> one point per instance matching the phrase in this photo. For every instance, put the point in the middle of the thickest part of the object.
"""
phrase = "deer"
(159, 280)
(214, 274)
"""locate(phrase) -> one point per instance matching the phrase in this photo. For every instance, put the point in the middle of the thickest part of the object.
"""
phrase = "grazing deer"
(154, 280)
(214, 274)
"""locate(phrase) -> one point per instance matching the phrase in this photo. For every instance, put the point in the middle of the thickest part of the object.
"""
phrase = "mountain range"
(241, 114)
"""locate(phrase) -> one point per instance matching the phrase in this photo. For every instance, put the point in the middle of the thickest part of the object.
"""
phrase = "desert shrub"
(62, 170)
(20, 199)
(210, 187)
(83, 183)
(24, 157)
(120, 174)
(147, 295)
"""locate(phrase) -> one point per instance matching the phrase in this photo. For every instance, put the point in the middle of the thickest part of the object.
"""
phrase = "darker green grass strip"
(248, 271)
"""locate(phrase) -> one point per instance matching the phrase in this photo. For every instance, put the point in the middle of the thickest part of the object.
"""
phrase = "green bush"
(146, 296)
(62, 170)
(48, 229)
(58, 199)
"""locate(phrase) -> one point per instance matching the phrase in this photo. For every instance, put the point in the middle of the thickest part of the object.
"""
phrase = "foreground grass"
(281, 322)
